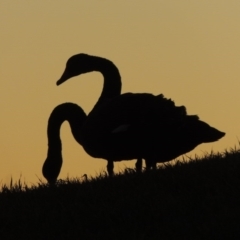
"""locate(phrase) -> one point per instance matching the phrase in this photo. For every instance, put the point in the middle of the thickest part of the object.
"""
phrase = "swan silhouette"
(129, 126)
(64, 112)
(76, 116)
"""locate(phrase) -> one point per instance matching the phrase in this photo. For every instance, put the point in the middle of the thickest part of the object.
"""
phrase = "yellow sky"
(189, 50)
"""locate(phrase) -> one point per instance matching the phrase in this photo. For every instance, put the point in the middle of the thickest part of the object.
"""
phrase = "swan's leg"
(138, 165)
(154, 165)
(110, 167)
(148, 164)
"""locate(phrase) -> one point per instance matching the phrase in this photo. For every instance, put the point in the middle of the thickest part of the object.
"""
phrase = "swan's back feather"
(137, 110)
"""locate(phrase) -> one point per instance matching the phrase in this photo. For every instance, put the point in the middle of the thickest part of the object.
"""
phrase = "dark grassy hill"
(193, 200)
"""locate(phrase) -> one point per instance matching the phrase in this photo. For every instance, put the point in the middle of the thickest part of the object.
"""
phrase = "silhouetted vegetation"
(195, 199)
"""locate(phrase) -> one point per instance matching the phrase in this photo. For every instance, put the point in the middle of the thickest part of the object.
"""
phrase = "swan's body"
(64, 112)
(129, 126)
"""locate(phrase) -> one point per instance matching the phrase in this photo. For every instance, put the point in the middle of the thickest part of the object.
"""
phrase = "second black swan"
(76, 117)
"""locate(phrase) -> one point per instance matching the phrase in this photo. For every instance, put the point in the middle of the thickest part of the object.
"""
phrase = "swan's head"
(52, 166)
(76, 65)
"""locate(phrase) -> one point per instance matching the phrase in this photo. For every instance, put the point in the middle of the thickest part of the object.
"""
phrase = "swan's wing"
(121, 128)
(138, 111)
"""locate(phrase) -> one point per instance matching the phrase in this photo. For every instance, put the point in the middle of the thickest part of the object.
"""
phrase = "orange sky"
(187, 50)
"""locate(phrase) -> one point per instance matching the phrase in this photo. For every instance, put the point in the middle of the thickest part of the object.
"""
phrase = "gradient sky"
(189, 50)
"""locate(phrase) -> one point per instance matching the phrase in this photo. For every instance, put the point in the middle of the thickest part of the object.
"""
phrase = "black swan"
(64, 112)
(140, 125)
(75, 115)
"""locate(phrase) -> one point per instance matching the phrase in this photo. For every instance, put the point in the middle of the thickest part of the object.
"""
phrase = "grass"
(194, 199)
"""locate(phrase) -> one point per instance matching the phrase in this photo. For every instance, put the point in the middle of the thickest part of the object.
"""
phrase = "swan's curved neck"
(53, 132)
(112, 80)
(66, 112)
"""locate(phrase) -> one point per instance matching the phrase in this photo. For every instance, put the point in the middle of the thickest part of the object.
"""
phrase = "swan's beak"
(64, 77)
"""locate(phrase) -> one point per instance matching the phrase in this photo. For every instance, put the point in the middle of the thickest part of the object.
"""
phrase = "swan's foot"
(110, 167)
(138, 165)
